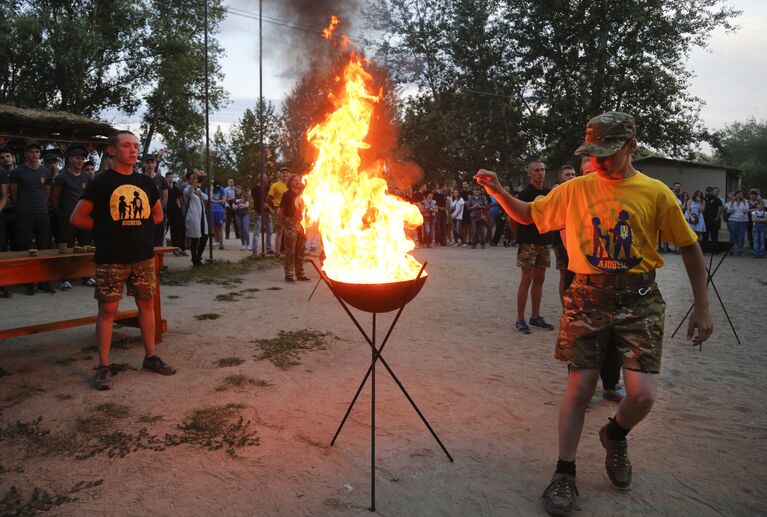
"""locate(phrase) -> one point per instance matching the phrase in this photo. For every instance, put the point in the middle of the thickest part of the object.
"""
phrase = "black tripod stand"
(371, 372)
(713, 248)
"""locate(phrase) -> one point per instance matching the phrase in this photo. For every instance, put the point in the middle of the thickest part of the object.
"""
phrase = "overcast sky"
(730, 75)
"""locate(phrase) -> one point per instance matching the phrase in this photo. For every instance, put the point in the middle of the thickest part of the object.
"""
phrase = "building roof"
(50, 125)
(681, 163)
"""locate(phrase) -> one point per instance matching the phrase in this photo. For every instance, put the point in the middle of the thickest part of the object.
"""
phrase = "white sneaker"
(243, 248)
(65, 285)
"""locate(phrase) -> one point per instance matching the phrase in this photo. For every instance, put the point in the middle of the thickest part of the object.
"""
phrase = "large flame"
(362, 226)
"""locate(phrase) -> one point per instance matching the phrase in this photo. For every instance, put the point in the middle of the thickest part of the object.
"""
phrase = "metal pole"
(261, 119)
(207, 136)
(373, 421)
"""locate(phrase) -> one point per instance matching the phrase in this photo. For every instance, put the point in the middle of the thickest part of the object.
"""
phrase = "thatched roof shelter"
(19, 125)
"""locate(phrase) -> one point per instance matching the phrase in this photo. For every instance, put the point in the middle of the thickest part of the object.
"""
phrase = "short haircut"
(567, 167)
(530, 164)
(114, 138)
(284, 169)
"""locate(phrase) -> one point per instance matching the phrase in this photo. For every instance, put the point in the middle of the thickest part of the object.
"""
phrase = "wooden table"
(18, 267)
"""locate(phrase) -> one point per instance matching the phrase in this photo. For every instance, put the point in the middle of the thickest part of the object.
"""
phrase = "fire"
(327, 32)
(362, 226)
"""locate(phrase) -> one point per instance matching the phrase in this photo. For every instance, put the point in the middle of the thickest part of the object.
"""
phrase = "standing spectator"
(197, 229)
(176, 211)
(229, 197)
(149, 165)
(30, 190)
(695, 208)
(759, 220)
(429, 218)
(712, 214)
(292, 213)
(4, 293)
(262, 215)
(737, 222)
(218, 202)
(68, 188)
(566, 173)
(533, 255)
(677, 189)
(274, 199)
(8, 162)
(753, 199)
(466, 220)
(124, 251)
(241, 208)
(51, 162)
(477, 206)
(456, 216)
(89, 168)
(441, 196)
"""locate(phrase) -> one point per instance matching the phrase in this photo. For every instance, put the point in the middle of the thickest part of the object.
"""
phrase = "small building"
(692, 175)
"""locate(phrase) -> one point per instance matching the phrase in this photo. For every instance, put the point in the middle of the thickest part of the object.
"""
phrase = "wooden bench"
(18, 267)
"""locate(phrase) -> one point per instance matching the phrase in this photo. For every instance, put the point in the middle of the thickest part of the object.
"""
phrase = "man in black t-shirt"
(712, 214)
(68, 188)
(262, 215)
(533, 255)
(30, 189)
(122, 208)
(149, 166)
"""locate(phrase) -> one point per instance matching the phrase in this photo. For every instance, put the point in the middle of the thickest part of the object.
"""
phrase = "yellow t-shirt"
(612, 226)
(276, 191)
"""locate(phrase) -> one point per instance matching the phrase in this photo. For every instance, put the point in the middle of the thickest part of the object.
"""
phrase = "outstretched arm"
(517, 209)
(700, 319)
(81, 215)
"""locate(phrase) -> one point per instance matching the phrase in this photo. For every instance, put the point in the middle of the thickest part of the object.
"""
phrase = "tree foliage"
(500, 82)
(81, 56)
(744, 145)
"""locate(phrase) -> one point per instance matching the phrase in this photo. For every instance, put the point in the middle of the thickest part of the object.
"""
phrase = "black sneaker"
(4, 293)
(157, 365)
(522, 326)
(303, 278)
(559, 498)
(103, 379)
(541, 323)
(617, 462)
(289, 278)
(46, 287)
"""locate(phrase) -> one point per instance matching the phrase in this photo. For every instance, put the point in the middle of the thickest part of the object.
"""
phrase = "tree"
(81, 56)
(744, 145)
(176, 95)
(502, 82)
(245, 145)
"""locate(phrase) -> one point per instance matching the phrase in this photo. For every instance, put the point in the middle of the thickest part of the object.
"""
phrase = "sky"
(729, 75)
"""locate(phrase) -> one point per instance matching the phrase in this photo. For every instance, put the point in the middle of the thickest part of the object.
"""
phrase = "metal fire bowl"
(379, 297)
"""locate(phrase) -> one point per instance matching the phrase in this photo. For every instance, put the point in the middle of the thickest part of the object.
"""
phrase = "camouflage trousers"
(295, 247)
(595, 317)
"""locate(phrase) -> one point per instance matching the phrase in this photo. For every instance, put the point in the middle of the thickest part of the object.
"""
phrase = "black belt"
(618, 280)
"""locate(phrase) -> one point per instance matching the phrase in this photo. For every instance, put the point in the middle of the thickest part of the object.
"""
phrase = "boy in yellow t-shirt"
(274, 198)
(611, 220)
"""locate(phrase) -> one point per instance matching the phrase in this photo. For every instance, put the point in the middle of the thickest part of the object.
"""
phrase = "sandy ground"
(489, 393)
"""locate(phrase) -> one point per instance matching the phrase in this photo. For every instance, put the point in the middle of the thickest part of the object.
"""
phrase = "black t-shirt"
(123, 228)
(441, 200)
(257, 201)
(162, 184)
(72, 189)
(31, 196)
(288, 203)
(4, 179)
(712, 207)
(528, 233)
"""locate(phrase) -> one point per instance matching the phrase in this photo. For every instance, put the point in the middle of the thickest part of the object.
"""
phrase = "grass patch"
(274, 288)
(4, 372)
(63, 396)
(250, 290)
(173, 297)
(213, 427)
(225, 362)
(222, 272)
(21, 393)
(8, 470)
(284, 350)
(40, 501)
(240, 381)
(228, 297)
(112, 410)
(150, 419)
(207, 316)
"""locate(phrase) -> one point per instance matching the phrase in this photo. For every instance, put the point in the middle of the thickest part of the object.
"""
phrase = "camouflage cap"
(607, 133)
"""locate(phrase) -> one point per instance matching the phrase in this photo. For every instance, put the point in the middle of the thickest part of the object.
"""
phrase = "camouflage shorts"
(533, 255)
(110, 279)
(596, 317)
(561, 255)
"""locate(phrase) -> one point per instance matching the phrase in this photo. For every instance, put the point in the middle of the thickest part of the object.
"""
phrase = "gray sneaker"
(157, 365)
(617, 462)
(559, 498)
(103, 379)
